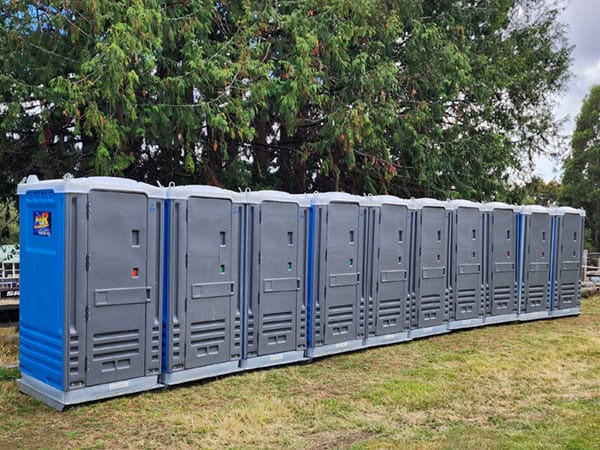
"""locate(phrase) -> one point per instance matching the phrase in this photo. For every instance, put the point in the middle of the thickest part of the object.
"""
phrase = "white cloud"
(591, 74)
(582, 18)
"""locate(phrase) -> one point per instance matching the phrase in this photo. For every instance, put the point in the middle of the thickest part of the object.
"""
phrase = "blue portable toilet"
(274, 308)
(467, 267)
(336, 282)
(565, 283)
(91, 252)
(536, 254)
(202, 314)
(430, 287)
(502, 262)
(388, 270)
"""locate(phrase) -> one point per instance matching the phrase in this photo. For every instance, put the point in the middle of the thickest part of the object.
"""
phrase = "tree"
(408, 97)
(535, 192)
(9, 225)
(581, 178)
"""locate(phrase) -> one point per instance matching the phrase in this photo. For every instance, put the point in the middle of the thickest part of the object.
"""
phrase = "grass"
(531, 385)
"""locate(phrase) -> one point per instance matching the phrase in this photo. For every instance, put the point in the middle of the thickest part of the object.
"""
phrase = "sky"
(583, 20)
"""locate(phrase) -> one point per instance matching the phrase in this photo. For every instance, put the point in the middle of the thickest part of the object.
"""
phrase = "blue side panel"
(520, 248)
(310, 273)
(41, 309)
(553, 255)
(166, 284)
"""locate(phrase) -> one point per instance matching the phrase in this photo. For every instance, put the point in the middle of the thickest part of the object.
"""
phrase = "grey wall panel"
(371, 268)
(320, 275)
(301, 307)
(237, 268)
(75, 290)
(154, 269)
(177, 287)
(252, 280)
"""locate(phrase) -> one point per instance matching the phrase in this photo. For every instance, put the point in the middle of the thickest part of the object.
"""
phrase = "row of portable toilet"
(129, 287)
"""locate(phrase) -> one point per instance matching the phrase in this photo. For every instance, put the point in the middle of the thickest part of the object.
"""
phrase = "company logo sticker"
(42, 223)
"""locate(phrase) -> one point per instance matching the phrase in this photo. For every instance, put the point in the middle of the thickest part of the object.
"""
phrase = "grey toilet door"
(118, 291)
(210, 282)
(432, 276)
(343, 276)
(468, 250)
(279, 277)
(392, 281)
(538, 267)
(570, 261)
(503, 262)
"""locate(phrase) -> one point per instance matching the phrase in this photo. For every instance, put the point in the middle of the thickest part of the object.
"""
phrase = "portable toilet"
(202, 314)
(430, 287)
(336, 298)
(501, 262)
(467, 288)
(90, 302)
(535, 230)
(275, 311)
(565, 285)
(388, 270)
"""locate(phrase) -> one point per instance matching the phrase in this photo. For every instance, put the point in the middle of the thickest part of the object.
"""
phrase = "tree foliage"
(581, 179)
(534, 192)
(408, 97)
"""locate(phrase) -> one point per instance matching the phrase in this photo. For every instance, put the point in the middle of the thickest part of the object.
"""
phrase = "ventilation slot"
(536, 295)
(115, 348)
(340, 319)
(466, 300)
(277, 327)
(206, 337)
(431, 306)
(502, 297)
(390, 311)
(567, 293)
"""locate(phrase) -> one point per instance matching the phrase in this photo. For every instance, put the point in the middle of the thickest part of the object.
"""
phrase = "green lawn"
(530, 385)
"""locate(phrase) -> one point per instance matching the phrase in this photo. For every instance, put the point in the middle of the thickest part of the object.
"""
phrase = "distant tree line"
(409, 97)
(581, 178)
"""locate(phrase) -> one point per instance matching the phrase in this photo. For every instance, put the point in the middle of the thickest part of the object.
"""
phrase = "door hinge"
(86, 364)
(259, 257)
(87, 262)
(187, 214)
(185, 305)
(187, 259)
(88, 210)
(87, 313)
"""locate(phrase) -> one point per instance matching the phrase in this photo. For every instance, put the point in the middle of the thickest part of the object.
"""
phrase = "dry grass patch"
(531, 385)
(9, 347)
